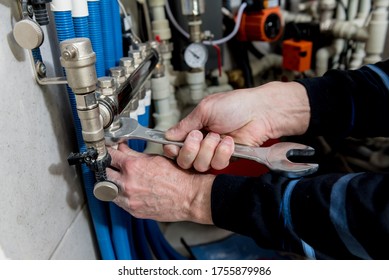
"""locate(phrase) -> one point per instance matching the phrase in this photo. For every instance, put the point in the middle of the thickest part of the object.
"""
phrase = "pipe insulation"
(108, 36)
(95, 35)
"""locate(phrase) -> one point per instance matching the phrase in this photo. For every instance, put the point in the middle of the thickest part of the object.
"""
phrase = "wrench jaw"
(122, 133)
(278, 161)
(293, 170)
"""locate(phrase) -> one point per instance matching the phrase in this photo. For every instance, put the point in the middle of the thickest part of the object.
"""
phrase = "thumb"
(179, 131)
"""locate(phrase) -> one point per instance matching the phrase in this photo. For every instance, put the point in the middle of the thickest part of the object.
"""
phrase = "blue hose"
(65, 30)
(81, 27)
(119, 232)
(108, 36)
(117, 30)
(36, 54)
(141, 244)
(94, 22)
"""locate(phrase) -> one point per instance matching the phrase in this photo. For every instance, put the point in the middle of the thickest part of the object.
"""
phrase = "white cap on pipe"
(61, 5)
(80, 8)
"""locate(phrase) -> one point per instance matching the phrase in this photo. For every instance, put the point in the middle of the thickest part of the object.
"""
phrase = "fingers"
(222, 156)
(121, 155)
(114, 176)
(202, 154)
(171, 151)
(180, 131)
(203, 160)
(189, 151)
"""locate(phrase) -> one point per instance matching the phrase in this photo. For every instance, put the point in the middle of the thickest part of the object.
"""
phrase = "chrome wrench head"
(277, 158)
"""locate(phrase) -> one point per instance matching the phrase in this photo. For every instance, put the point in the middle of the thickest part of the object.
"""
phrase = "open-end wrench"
(274, 157)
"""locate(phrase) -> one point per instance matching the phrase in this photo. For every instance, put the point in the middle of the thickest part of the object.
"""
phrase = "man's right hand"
(249, 117)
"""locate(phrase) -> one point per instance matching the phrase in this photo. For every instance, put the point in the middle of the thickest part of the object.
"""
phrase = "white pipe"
(196, 83)
(160, 25)
(61, 5)
(377, 30)
(357, 56)
(363, 13)
(349, 30)
(361, 20)
(322, 57)
(352, 10)
(80, 8)
(327, 9)
(295, 17)
(265, 63)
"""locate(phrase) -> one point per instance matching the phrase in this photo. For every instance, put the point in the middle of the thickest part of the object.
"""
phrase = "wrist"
(200, 204)
(289, 110)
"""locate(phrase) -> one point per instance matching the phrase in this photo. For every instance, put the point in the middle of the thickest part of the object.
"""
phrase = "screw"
(41, 69)
(69, 53)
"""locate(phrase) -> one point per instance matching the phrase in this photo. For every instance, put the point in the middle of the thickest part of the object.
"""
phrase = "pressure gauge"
(196, 55)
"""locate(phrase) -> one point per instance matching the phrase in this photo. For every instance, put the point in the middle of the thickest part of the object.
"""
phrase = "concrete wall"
(42, 210)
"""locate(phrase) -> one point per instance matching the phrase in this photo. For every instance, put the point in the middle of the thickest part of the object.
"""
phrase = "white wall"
(42, 209)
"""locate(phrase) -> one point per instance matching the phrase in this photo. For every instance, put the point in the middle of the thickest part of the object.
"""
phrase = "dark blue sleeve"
(335, 216)
(350, 103)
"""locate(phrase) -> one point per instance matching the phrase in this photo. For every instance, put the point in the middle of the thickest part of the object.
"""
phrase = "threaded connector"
(40, 11)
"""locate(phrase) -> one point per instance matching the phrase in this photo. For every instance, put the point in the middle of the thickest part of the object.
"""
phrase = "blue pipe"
(130, 228)
(65, 30)
(142, 245)
(36, 54)
(94, 22)
(107, 32)
(81, 27)
(117, 30)
(119, 232)
(154, 241)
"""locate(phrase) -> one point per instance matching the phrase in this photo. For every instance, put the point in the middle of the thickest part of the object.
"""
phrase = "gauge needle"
(194, 54)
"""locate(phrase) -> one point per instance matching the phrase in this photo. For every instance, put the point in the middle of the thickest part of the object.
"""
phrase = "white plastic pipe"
(377, 30)
(265, 63)
(322, 57)
(61, 5)
(352, 9)
(160, 25)
(80, 8)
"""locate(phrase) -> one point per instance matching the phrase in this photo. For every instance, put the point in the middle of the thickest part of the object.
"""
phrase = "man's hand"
(154, 187)
(249, 117)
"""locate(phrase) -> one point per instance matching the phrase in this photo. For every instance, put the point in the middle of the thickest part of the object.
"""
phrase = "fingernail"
(196, 135)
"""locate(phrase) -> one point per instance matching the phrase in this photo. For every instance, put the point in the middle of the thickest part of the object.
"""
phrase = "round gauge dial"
(196, 55)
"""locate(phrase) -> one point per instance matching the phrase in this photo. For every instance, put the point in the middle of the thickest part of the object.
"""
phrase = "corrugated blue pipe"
(108, 35)
(65, 30)
(141, 244)
(36, 54)
(96, 37)
(117, 23)
(129, 223)
(81, 27)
